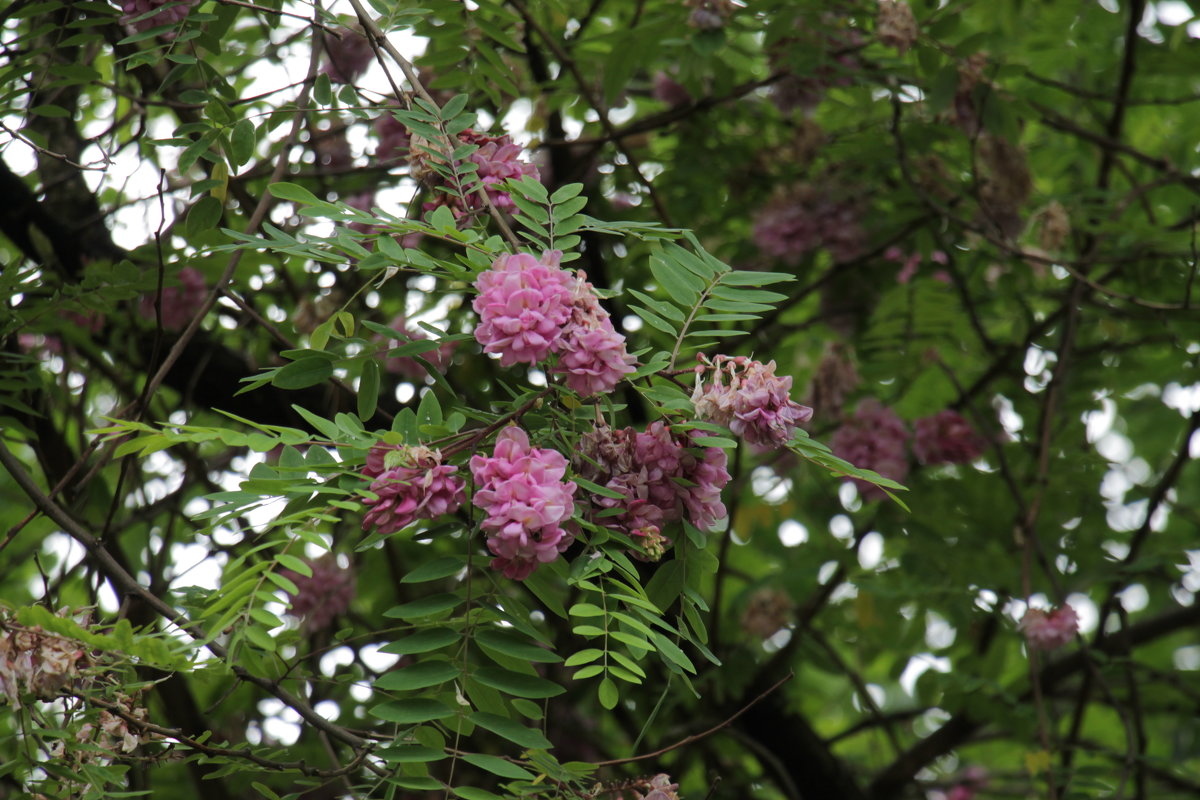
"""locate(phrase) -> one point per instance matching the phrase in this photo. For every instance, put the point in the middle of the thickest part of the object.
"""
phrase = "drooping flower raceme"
(1049, 630)
(529, 308)
(895, 25)
(179, 303)
(873, 439)
(167, 16)
(522, 492)
(411, 483)
(35, 661)
(496, 160)
(592, 354)
(349, 54)
(749, 398)
(662, 476)
(523, 304)
(946, 438)
(324, 595)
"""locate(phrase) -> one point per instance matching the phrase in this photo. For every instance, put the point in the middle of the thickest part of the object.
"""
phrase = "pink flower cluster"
(799, 222)
(709, 15)
(323, 596)
(167, 16)
(1049, 630)
(407, 366)
(179, 303)
(659, 787)
(394, 139)
(946, 438)
(912, 263)
(495, 161)
(873, 439)
(410, 483)
(35, 662)
(895, 25)
(749, 398)
(973, 779)
(522, 492)
(670, 91)
(836, 42)
(662, 477)
(349, 55)
(529, 308)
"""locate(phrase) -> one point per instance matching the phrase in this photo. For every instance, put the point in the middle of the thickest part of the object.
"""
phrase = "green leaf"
(293, 193)
(417, 676)
(517, 684)
(475, 793)
(203, 216)
(683, 287)
(411, 711)
(322, 90)
(497, 766)
(241, 142)
(368, 389)
(514, 732)
(411, 753)
(425, 607)
(303, 373)
(583, 657)
(294, 564)
(423, 642)
(515, 646)
(435, 570)
(608, 694)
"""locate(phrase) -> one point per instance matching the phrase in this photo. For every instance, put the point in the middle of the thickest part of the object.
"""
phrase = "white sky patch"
(792, 533)
(870, 550)
(917, 666)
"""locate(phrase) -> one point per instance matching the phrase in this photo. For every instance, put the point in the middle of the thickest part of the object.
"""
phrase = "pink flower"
(946, 438)
(522, 492)
(873, 439)
(660, 787)
(591, 353)
(407, 366)
(168, 16)
(495, 161)
(793, 225)
(394, 139)
(411, 483)
(349, 56)
(1049, 630)
(750, 399)
(323, 596)
(669, 91)
(523, 304)
(179, 303)
(660, 474)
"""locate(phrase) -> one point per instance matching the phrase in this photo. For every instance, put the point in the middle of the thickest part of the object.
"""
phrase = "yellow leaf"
(1037, 761)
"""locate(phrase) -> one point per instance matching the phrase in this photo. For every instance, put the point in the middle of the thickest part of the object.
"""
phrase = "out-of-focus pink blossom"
(1049, 630)
(522, 492)
(709, 15)
(394, 139)
(895, 25)
(836, 42)
(670, 91)
(946, 438)
(407, 366)
(912, 263)
(180, 302)
(324, 595)
(523, 304)
(332, 149)
(749, 398)
(167, 16)
(795, 224)
(350, 54)
(659, 787)
(873, 439)
(34, 661)
(411, 483)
